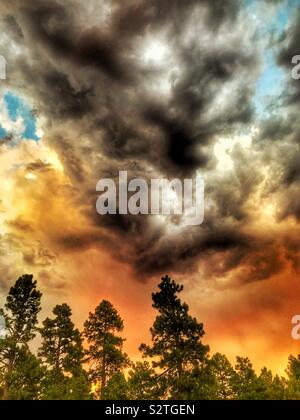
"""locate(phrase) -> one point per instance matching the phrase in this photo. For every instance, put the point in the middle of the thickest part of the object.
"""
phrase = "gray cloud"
(105, 113)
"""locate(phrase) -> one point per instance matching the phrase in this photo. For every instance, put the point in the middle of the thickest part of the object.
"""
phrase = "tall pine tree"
(245, 383)
(63, 354)
(176, 336)
(223, 374)
(293, 374)
(20, 314)
(105, 353)
(144, 383)
(25, 382)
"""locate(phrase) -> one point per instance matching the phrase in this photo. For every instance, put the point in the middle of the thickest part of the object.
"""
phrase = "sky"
(160, 89)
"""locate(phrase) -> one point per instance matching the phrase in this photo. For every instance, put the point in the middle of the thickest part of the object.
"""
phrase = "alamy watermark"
(155, 197)
(3, 68)
(296, 68)
(296, 327)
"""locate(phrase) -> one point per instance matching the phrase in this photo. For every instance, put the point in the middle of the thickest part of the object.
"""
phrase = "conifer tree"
(144, 383)
(62, 352)
(25, 382)
(246, 384)
(117, 388)
(176, 335)
(271, 388)
(223, 374)
(20, 314)
(105, 354)
(293, 373)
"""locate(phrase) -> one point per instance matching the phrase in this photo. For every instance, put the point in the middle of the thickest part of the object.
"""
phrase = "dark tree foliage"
(63, 355)
(144, 383)
(223, 376)
(25, 381)
(117, 388)
(105, 354)
(293, 373)
(176, 336)
(178, 365)
(20, 313)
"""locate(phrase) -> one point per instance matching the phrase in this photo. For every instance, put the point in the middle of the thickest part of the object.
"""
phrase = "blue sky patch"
(18, 108)
(271, 82)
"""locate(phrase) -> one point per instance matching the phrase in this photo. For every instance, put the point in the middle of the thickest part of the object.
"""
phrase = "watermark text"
(296, 68)
(157, 197)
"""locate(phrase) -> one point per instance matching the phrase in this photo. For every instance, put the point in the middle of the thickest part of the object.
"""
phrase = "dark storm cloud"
(179, 140)
(167, 254)
(292, 173)
(282, 129)
(52, 24)
(289, 47)
(137, 17)
(110, 52)
(291, 40)
(12, 28)
(98, 96)
(276, 129)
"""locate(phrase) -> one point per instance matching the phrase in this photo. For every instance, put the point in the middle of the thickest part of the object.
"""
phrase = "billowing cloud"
(160, 89)
(109, 108)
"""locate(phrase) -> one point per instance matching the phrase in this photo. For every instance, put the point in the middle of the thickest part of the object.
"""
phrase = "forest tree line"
(92, 365)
